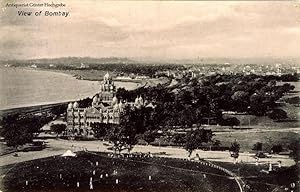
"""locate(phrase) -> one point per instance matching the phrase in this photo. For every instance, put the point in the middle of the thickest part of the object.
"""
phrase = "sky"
(153, 30)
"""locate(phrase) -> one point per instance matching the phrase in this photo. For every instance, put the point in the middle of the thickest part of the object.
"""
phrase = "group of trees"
(235, 149)
(139, 123)
(277, 114)
(124, 135)
(18, 130)
(293, 146)
(191, 101)
(58, 128)
(195, 138)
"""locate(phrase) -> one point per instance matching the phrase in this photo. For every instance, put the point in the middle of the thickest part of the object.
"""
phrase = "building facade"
(105, 108)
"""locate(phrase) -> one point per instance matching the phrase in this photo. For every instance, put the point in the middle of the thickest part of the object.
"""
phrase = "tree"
(234, 150)
(58, 128)
(231, 121)
(124, 135)
(295, 150)
(217, 143)
(241, 100)
(121, 138)
(277, 148)
(186, 116)
(258, 107)
(100, 129)
(149, 136)
(60, 109)
(14, 133)
(277, 114)
(16, 136)
(85, 102)
(195, 138)
(257, 146)
(179, 139)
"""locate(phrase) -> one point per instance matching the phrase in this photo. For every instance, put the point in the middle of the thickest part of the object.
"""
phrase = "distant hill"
(219, 60)
(73, 60)
(124, 60)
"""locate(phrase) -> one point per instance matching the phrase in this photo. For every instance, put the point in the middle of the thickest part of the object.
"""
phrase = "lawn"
(248, 139)
(62, 174)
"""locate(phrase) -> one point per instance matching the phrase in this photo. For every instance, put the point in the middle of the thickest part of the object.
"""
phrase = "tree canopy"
(277, 114)
(124, 135)
(234, 149)
(195, 138)
(18, 130)
(192, 101)
(58, 128)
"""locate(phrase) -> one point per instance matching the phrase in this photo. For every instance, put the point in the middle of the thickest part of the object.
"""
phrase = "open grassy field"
(248, 139)
(62, 174)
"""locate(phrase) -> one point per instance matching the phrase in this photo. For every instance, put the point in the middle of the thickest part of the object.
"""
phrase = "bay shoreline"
(52, 74)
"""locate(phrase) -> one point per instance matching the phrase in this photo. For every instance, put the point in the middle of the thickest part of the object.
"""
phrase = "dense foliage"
(195, 138)
(202, 100)
(277, 114)
(235, 149)
(58, 128)
(295, 150)
(18, 130)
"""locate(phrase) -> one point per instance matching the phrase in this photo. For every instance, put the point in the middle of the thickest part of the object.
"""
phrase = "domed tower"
(121, 106)
(107, 79)
(75, 105)
(70, 106)
(108, 90)
(114, 100)
(136, 101)
(141, 100)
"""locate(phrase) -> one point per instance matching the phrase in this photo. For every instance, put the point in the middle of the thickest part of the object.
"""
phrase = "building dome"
(136, 101)
(107, 76)
(114, 100)
(141, 100)
(75, 105)
(70, 106)
(116, 107)
(121, 106)
(95, 99)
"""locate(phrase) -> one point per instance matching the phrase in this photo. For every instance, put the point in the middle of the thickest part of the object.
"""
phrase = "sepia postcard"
(154, 96)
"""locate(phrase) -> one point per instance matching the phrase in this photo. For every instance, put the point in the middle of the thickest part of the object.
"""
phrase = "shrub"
(277, 114)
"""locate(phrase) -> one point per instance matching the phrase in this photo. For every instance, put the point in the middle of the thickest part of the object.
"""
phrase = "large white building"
(105, 108)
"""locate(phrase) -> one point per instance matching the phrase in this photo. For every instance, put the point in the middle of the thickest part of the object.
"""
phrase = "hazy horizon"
(157, 59)
(156, 30)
